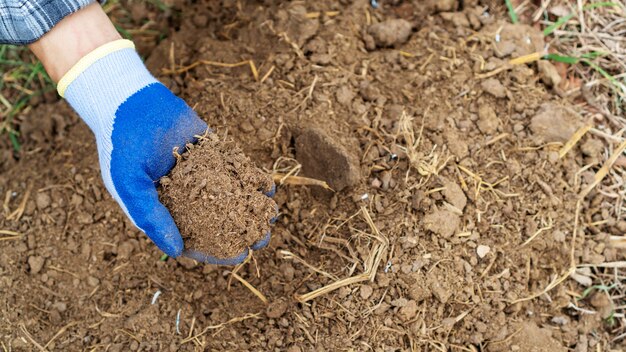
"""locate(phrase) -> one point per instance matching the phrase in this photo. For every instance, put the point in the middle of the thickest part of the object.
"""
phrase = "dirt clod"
(442, 222)
(516, 39)
(215, 195)
(454, 194)
(36, 264)
(487, 119)
(531, 338)
(42, 200)
(482, 250)
(277, 309)
(409, 310)
(390, 32)
(494, 87)
(554, 123)
(549, 74)
(322, 157)
(366, 291)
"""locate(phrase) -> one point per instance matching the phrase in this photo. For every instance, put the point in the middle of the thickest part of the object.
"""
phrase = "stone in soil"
(554, 123)
(454, 194)
(323, 158)
(216, 197)
(549, 74)
(494, 87)
(36, 264)
(442, 222)
(487, 119)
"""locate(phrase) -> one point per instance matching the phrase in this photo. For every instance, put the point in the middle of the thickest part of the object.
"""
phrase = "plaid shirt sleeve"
(25, 21)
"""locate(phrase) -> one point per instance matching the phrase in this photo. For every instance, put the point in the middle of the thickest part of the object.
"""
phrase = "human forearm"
(72, 38)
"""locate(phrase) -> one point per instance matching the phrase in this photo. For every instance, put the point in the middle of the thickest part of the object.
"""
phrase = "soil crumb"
(554, 123)
(390, 33)
(216, 196)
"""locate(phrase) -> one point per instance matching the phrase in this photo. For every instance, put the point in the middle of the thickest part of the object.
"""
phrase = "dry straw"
(371, 264)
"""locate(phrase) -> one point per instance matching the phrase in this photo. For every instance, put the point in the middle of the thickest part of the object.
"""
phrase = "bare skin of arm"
(74, 37)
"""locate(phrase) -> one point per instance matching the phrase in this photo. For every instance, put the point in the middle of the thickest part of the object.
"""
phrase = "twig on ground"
(17, 214)
(59, 333)
(30, 339)
(250, 287)
(11, 235)
(299, 181)
(554, 283)
(604, 170)
(574, 139)
(183, 69)
(371, 264)
(288, 255)
(219, 326)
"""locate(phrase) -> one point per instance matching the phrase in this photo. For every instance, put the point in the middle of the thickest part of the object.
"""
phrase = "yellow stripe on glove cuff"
(89, 59)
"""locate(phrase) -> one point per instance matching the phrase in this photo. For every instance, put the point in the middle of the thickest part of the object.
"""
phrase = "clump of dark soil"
(217, 198)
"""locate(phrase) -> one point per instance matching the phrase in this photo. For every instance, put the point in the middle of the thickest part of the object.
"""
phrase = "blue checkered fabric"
(25, 21)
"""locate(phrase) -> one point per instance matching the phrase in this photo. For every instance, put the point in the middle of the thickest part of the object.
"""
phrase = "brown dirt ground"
(457, 172)
(217, 198)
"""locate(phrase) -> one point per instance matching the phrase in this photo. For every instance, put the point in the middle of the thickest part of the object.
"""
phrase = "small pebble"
(482, 250)
(42, 200)
(93, 281)
(366, 291)
(35, 263)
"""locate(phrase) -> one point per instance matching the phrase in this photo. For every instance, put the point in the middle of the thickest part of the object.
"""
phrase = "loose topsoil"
(216, 196)
(450, 189)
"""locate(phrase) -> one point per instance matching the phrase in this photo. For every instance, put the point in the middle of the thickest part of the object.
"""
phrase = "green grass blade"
(561, 21)
(595, 5)
(560, 58)
(606, 75)
(592, 55)
(590, 289)
(14, 142)
(509, 6)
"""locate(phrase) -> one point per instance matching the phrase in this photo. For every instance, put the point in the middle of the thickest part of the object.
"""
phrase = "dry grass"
(299, 181)
(371, 263)
(219, 326)
(586, 43)
(600, 85)
(253, 69)
(250, 287)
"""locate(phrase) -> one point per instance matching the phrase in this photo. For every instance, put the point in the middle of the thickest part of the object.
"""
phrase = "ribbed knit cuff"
(104, 85)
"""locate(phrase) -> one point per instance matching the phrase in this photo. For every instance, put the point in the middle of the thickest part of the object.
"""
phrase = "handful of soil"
(216, 196)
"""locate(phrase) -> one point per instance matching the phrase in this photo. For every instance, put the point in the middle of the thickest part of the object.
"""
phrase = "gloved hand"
(137, 122)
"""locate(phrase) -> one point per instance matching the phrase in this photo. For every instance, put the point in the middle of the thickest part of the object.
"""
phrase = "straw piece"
(572, 141)
(604, 170)
(218, 326)
(371, 264)
(527, 58)
(250, 287)
(550, 286)
(300, 181)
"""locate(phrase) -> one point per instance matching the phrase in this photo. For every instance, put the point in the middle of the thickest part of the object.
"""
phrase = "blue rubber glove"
(137, 122)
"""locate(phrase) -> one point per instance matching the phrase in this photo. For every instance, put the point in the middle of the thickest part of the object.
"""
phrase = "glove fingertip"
(261, 243)
(172, 244)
